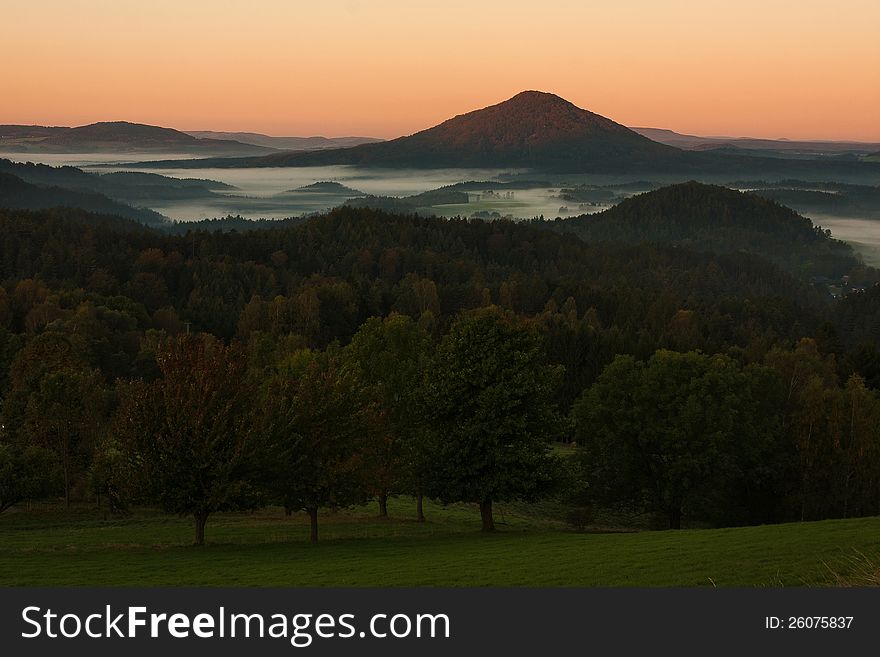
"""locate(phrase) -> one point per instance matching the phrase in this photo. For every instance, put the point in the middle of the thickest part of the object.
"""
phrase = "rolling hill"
(125, 186)
(117, 136)
(284, 143)
(17, 194)
(12, 132)
(720, 220)
(327, 187)
(697, 143)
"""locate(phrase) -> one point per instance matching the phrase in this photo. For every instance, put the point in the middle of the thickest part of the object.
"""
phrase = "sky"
(797, 69)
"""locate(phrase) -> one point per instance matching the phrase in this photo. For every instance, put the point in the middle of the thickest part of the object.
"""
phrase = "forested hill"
(117, 136)
(125, 186)
(322, 279)
(16, 193)
(718, 219)
(532, 129)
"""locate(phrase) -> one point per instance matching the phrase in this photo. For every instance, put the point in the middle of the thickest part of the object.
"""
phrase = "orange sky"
(769, 68)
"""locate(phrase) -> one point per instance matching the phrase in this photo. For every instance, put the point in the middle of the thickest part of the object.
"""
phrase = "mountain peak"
(533, 129)
(538, 97)
(536, 121)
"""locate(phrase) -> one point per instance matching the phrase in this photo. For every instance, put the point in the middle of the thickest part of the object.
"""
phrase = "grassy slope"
(357, 549)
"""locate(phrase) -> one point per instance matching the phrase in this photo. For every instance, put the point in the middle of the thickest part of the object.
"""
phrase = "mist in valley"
(276, 193)
(862, 234)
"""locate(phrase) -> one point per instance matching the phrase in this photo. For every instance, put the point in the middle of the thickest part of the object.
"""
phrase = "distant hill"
(285, 143)
(549, 135)
(531, 130)
(806, 197)
(327, 187)
(126, 186)
(9, 132)
(696, 143)
(721, 220)
(17, 194)
(416, 204)
(118, 136)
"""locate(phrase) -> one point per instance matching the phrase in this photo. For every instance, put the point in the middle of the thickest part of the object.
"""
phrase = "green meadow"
(356, 548)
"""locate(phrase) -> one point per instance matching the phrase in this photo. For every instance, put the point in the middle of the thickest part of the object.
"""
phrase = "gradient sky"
(767, 68)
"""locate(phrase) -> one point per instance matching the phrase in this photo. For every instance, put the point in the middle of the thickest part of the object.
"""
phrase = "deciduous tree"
(190, 435)
(490, 399)
(318, 418)
(674, 435)
(391, 354)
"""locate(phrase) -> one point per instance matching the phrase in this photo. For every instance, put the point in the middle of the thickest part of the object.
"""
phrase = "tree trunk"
(201, 521)
(804, 498)
(486, 516)
(313, 518)
(383, 505)
(420, 509)
(65, 463)
(675, 518)
(805, 469)
(66, 469)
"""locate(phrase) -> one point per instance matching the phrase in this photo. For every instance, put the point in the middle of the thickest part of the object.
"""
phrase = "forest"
(361, 354)
(715, 218)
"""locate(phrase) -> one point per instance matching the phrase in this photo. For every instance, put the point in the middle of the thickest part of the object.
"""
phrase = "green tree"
(41, 355)
(64, 414)
(110, 475)
(10, 343)
(673, 435)
(189, 435)
(24, 474)
(809, 406)
(855, 448)
(490, 400)
(390, 354)
(318, 418)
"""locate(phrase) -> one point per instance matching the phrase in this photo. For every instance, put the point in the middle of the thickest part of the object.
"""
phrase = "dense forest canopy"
(16, 193)
(718, 219)
(94, 308)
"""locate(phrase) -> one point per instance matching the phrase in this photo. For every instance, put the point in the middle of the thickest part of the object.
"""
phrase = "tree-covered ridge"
(354, 263)
(321, 279)
(327, 187)
(126, 186)
(118, 136)
(836, 198)
(18, 194)
(362, 354)
(416, 203)
(718, 219)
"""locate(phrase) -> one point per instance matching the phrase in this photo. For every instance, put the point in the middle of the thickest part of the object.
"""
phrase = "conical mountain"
(531, 130)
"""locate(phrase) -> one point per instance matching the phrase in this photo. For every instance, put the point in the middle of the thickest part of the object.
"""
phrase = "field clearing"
(359, 549)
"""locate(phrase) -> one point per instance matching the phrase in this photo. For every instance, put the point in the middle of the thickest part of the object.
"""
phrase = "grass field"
(358, 549)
